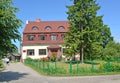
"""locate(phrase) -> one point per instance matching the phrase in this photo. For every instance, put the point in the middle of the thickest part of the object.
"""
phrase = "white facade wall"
(36, 51)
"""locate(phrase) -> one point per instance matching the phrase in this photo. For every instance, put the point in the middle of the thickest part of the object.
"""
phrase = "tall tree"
(9, 25)
(87, 30)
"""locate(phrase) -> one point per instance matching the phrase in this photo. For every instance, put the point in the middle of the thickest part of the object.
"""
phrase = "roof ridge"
(48, 21)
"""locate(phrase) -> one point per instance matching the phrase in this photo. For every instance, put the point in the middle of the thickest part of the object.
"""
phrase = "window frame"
(35, 28)
(61, 27)
(31, 37)
(32, 52)
(42, 51)
(48, 28)
(42, 37)
(53, 37)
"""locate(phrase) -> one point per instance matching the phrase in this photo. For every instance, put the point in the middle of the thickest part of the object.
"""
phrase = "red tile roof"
(43, 24)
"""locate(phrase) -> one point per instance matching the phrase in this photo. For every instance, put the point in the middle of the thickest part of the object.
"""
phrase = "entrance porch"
(54, 49)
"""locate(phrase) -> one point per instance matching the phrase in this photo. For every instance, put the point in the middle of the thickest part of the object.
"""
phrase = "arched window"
(61, 28)
(34, 28)
(48, 28)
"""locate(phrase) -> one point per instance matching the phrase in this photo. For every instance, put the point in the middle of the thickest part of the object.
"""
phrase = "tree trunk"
(81, 53)
(81, 45)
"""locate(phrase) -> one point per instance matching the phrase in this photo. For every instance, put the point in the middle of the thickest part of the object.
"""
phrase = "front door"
(54, 51)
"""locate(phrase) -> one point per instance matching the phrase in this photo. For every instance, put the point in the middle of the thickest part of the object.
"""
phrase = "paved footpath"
(19, 73)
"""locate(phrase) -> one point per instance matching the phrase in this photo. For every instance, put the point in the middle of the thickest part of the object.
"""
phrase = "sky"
(55, 10)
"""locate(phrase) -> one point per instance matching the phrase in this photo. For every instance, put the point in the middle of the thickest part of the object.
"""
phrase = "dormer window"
(61, 28)
(53, 37)
(42, 37)
(48, 28)
(34, 28)
(31, 37)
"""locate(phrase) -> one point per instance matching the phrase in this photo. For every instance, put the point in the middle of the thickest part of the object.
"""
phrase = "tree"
(9, 25)
(111, 51)
(87, 30)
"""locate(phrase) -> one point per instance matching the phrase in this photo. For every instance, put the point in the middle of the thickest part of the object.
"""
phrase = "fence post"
(70, 67)
(38, 64)
(43, 65)
(48, 68)
(92, 69)
(55, 67)
(77, 66)
(108, 66)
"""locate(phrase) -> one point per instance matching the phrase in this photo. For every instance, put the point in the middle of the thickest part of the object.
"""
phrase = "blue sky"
(48, 10)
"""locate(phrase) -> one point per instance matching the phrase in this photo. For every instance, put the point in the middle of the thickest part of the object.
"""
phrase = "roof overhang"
(53, 46)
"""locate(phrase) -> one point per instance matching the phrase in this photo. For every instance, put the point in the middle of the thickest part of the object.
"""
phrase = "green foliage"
(111, 51)
(53, 57)
(1, 64)
(9, 25)
(88, 34)
(102, 66)
(114, 67)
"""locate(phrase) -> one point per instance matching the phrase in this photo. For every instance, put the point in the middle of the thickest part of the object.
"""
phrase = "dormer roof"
(39, 26)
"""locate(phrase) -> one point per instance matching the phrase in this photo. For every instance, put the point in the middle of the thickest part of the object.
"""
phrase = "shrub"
(53, 57)
(1, 65)
(102, 66)
(114, 67)
(44, 59)
(28, 58)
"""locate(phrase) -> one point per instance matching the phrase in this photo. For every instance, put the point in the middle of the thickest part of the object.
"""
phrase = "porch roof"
(53, 46)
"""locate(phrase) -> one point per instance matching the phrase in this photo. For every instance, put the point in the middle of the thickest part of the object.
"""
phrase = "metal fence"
(74, 67)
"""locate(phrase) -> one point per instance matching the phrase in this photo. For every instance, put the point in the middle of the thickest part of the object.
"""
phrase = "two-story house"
(43, 38)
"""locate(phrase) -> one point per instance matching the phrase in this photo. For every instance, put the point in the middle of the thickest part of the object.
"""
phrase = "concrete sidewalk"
(19, 73)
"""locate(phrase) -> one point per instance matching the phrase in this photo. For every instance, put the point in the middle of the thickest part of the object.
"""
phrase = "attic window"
(31, 37)
(48, 28)
(61, 28)
(34, 28)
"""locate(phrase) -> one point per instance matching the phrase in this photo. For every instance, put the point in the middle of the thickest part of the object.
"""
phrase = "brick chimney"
(37, 20)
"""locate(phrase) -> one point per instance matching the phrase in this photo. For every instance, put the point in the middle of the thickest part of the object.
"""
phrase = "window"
(48, 28)
(61, 28)
(53, 37)
(31, 37)
(42, 37)
(42, 51)
(34, 28)
(30, 52)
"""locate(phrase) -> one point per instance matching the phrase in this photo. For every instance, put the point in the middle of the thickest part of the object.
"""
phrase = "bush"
(102, 66)
(53, 57)
(44, 59)
(1, 65)
(114, 67)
